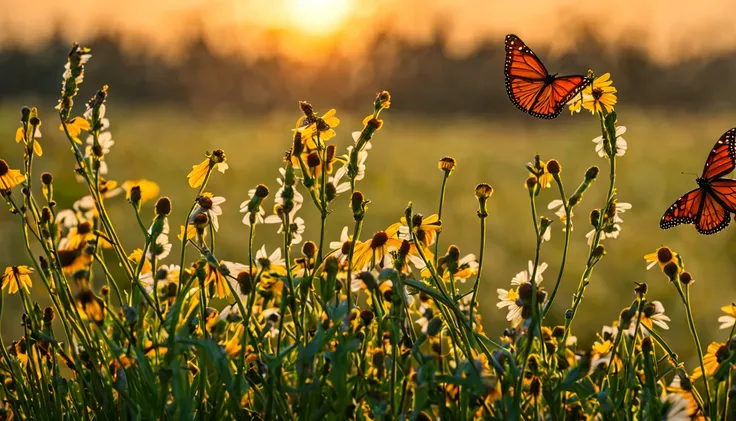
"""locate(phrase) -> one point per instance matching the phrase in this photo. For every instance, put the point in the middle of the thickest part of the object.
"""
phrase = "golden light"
(319, 17)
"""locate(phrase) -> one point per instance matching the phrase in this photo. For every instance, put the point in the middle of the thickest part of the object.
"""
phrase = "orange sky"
(669, 31)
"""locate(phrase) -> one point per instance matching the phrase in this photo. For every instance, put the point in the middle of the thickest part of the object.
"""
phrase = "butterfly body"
(531, 87)
(709, 207)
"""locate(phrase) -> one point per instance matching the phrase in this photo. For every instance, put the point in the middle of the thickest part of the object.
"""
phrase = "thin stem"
(439, 216)
(568, 229)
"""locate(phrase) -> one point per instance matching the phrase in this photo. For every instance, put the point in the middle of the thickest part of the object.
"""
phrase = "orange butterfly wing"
(722, 158)
(725, 191)
(684, 211)
(713, 216)
(530, 86)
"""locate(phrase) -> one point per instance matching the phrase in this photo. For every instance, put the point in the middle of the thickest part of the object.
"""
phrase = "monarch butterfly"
(530, 86)
(709, 206)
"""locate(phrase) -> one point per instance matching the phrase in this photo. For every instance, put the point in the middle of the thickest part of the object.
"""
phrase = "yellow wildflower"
(149, 189)
(16, 277)
(9, 178)
(136, 257)
(717, 352)
(74, 128)
(215, 161)
(598, 97)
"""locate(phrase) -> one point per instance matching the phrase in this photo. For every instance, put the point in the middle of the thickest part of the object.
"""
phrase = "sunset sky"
(296, 27)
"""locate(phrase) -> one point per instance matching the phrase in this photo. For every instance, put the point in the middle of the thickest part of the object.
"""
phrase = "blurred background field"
(172, 100)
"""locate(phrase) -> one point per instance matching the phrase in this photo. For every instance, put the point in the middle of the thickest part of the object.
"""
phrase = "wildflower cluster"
(367, 326)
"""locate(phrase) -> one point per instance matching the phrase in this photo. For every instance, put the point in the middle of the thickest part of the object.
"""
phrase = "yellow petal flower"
(199, 172)
(149, 189)
(16, 277)
(74, 127)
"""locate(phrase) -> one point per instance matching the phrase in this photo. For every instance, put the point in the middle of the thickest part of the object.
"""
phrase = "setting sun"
(319, 17)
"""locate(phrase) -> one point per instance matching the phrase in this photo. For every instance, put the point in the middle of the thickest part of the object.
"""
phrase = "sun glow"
(319, 17)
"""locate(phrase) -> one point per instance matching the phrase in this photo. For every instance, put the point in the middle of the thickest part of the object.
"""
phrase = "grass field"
(162, 145)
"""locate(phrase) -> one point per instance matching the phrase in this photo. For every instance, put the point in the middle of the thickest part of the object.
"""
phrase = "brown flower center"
(379, 239)
(3, 167)
(664, 254)
(204, 202)
(84, 228)
(597, 93)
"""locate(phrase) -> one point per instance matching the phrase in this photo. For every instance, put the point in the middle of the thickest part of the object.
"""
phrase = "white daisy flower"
(621, 144)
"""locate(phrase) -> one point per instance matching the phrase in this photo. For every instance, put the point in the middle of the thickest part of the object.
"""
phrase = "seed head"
(671, 270)
(664, 255)
(313, 160)
(309, 249)
(591, 174)
(447, 164)
(483, 191)
(686, 278)
(553, 166)
(46, 178)
(261, 191)
(163, 206)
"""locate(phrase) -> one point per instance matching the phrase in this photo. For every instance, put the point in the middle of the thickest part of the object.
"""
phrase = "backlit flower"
(9, 178)
(74, 128)
(425, 229)
(16, 277)
(149, 189)
(209, 205)
(215, 161)
(314, 125)
(717, 352)
(597, 97)
(661, 256)
(368, 254)
(20, 134)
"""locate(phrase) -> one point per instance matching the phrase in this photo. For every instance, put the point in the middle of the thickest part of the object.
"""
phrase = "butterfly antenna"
(688, 173)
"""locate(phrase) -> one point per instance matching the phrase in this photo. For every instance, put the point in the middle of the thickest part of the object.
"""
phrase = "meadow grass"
(450, 368)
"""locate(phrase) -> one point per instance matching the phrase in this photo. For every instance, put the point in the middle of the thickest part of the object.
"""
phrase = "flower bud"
(309, 249)
(671, 270)
(25, 114)
(591, 174)
(48, 315)
(483, 191)
(664, 255)
(368, 280)
(641, 288)
(599, 251)
(686, 278)
(306, 108)
(163, 206)
(46, 178)
(447, 164)
(383, 100)
(313, 160)
(135, 195)
(595, 217)
(367, 317)
(218, 156)
(554, 167)
(261, 191)
(298, 147)
(647, 346)
(46, 215)
(245, 282)
(200, 221)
